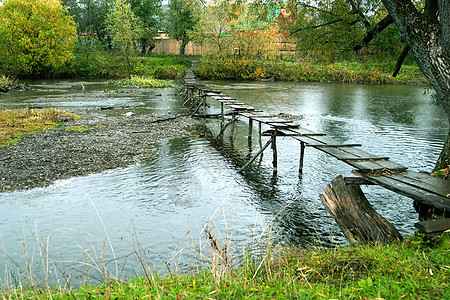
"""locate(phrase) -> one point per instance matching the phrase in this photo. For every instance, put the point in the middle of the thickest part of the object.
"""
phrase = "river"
(162, 207)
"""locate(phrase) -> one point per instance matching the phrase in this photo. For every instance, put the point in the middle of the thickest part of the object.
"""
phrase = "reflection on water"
(164, 202)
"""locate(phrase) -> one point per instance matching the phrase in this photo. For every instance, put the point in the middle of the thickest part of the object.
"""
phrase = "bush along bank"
(7, 83)
(241, 68)
(412, 269)
(104, 64)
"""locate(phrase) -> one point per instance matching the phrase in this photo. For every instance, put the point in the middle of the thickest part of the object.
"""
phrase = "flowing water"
(162, 207)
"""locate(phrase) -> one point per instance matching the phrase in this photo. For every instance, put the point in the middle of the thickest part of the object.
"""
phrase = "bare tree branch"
(317, 26)
(400, 61)
(383, 24)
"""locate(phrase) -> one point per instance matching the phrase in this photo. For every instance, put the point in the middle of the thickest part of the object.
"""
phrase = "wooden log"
(354, 215)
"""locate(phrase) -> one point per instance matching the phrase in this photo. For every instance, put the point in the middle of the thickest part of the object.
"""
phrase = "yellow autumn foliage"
(37, 38)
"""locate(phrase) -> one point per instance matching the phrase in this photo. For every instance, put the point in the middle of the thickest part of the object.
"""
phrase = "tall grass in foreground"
(14, 124)
(413, 269)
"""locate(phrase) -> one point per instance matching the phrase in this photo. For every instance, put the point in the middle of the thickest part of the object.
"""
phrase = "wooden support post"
(351, 210)
(250, 131)
(260, 152)
(274, 150)
(204, 105)
(260, 134)
(223, 129)
(222, 114)
(302, 155)
(233, 121)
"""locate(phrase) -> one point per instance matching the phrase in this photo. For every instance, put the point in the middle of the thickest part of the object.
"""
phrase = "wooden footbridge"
(428, 192)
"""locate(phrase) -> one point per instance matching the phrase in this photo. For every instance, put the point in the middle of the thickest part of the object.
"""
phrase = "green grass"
(100, 63)
(143, 82)
(78, 129)
(15, 124)
(412, 269)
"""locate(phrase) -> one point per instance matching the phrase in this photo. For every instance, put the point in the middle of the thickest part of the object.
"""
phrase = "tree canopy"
(36, 37)
(182, 17)
(124, 28)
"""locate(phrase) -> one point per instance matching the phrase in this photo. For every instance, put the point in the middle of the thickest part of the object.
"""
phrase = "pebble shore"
(111, 142)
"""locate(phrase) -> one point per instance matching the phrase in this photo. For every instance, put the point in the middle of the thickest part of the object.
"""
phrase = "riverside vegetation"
(413, 269)
(15, 124)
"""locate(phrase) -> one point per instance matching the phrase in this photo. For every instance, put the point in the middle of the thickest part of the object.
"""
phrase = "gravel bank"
(111, 142)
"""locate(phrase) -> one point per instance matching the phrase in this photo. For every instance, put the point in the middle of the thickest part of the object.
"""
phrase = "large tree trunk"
(183, 45)
(428, 36)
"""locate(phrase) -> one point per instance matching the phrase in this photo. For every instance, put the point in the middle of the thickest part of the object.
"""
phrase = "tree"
(90, 16)
(427, 33)
(149, 13)
(124, 29)
(37, 38)
(235, 28)
(182, 17)
(338, 27)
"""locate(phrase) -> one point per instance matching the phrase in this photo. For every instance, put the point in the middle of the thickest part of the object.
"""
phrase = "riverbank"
(413, 269)
(241, 68)
(92, 144)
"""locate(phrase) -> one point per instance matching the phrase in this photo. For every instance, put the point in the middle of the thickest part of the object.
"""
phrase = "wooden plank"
(291, 132)
(431, 199)
(357, 180)
(283, 125)
(258, 115)
(435, 184)
(254, 115)
(241, 107)
(373, 167)
(424, 181)
(333, 145)
(431, 226)
(302, 132)
(341, 154)
(273, 119)
(231, 102)
(368, 167)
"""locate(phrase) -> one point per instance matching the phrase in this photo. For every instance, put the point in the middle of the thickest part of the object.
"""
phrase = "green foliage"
(233, 67)
(37, 38)
(333, 28)
(101, 63)
(182, 17)
(6, 83)
(124, 29)
(235, 28)
(170, 72)
(149, 13)
(90, 16)
(143, 82)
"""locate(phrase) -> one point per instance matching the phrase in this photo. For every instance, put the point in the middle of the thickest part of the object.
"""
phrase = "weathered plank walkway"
(371, 169)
